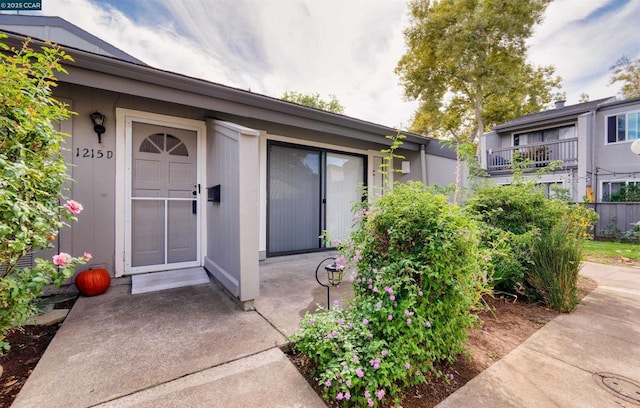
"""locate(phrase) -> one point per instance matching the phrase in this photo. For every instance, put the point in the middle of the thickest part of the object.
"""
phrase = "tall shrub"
(555, 263)
(519, 223)
(32, 176)
(418, 276)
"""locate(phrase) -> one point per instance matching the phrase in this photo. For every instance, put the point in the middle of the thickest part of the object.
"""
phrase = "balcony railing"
(538, 154)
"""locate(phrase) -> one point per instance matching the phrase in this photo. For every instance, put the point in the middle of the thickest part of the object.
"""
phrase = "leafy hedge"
(519, 223)
(418, 275)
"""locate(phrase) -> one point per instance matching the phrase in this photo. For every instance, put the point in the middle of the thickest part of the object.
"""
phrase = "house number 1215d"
(93, 153)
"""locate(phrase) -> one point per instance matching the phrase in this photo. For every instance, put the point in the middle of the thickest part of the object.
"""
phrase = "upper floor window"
(544, 135)
(622, 127)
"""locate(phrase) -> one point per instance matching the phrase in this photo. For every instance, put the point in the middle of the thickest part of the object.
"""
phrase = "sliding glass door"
(310, 190)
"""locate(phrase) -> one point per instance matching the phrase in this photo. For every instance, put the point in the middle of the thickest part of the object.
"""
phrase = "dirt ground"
(502, 330)
(27, 346)
(509, 323)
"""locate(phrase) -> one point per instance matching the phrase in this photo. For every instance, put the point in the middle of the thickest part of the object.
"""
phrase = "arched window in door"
(164, 142)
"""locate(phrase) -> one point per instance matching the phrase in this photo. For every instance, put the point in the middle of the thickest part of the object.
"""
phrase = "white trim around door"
(124, 123)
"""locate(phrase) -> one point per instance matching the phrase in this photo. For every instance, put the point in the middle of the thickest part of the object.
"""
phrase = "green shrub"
(517, 218)
(418, 276)
(555, 262)
(508, 252)
(632, 235)
(32, 175)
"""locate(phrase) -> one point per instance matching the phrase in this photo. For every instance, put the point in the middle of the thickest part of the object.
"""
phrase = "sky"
(346, 48)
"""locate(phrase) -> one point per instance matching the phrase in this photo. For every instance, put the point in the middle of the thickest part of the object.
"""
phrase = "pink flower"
(312, 322)
(359, 373)
(62, 259)
(384, 353)
(375, 290)
(390, 317)
(87, 256)
(327, 383)
(348, 384)
(420, 293)
(339, 396)
(370, 402)
(392, 297)
(407, 365)
(451, 377)
(380, 394)
(73, 206)
(409, 321)
(365, 322)
(347, 396)
(367, 394)
(428, 324)
(340, 321)
(378, 305)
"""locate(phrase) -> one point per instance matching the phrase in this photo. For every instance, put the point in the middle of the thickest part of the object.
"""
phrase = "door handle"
(194, 203)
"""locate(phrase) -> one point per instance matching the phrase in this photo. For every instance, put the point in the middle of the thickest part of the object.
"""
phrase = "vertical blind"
(300, 180)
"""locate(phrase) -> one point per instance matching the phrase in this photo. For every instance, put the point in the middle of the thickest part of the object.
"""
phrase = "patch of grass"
(611, 252)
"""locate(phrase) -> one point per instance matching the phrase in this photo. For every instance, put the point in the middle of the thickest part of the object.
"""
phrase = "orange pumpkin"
(93, 282)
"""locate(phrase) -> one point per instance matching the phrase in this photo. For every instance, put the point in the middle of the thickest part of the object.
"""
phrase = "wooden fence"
(615, 218)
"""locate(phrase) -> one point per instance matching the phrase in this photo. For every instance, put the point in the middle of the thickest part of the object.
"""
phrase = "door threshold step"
(155, 281)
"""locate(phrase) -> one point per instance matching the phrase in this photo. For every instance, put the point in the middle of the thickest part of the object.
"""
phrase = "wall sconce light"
(98, 124)
(635, 147)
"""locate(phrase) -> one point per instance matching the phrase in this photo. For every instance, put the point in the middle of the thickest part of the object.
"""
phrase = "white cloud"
(582, 51)
(347, 48)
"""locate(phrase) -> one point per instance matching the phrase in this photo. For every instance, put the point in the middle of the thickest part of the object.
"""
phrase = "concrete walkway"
(184, 347)
(576, 360)
(193, 346)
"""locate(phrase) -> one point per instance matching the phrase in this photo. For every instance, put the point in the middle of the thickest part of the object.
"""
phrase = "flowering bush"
(32, 175)
(418, 275)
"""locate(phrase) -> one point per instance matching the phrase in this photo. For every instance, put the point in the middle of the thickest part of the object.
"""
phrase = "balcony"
(539, 155)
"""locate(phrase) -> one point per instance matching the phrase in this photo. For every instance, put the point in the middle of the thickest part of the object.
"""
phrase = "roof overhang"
(178, 88)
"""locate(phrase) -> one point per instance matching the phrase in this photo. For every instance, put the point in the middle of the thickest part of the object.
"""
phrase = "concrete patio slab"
(117, 344)
(264, 379)
(288, 289)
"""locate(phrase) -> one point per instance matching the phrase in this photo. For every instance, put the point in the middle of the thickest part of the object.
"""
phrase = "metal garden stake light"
(334, 276)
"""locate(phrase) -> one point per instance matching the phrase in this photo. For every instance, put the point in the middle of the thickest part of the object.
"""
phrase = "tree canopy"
(466, 64)
(313, 100)
(627, 72)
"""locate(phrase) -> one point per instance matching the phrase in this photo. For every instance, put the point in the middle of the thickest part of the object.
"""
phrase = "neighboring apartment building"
(590, 140)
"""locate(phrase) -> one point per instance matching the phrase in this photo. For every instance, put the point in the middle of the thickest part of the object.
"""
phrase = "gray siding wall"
(614, 161)
(94, 185)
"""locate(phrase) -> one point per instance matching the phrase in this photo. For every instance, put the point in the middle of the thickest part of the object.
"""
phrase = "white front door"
(162, 212)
